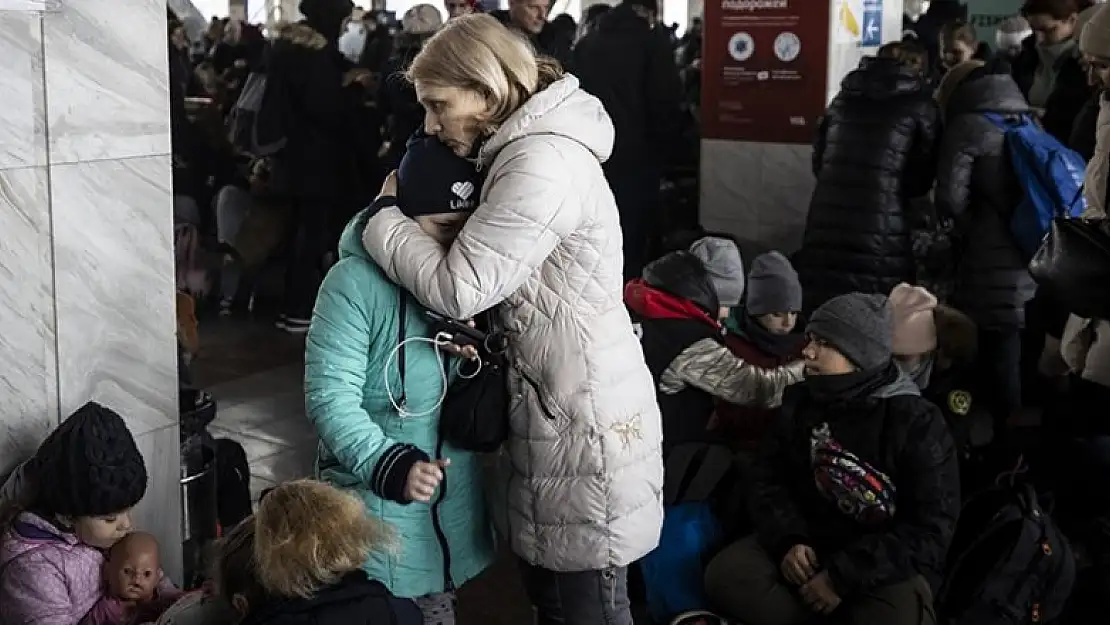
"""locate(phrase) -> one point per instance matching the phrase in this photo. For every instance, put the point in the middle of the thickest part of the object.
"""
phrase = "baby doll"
(133, 572)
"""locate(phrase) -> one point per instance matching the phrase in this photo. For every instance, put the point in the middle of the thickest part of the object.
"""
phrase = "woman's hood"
(350, 242)
(562, 109)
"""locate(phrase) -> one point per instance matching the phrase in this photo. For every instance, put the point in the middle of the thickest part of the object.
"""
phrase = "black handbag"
(1073, 264)
(475, 412)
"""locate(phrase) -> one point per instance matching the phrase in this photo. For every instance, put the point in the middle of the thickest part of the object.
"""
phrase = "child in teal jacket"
(379, 433)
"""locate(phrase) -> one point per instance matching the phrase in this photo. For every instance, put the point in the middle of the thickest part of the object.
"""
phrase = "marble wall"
(86, 263)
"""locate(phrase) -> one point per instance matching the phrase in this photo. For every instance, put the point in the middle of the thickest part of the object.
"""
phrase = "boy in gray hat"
(857, 488)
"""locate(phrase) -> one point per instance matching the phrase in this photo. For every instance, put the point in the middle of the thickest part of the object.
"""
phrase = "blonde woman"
(582, 468)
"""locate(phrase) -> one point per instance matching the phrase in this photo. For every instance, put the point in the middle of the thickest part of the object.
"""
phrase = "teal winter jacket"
(368, 448)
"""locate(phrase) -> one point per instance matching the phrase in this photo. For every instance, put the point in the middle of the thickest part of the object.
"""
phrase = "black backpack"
(1009, 564)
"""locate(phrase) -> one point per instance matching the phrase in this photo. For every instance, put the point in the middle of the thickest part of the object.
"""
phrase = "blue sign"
(872, 34)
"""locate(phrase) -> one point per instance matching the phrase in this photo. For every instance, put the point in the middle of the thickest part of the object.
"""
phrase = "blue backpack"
(1050, 174)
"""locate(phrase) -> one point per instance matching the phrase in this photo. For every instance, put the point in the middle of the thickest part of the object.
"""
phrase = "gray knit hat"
(773, 286)
(722, 260)
(858, 326)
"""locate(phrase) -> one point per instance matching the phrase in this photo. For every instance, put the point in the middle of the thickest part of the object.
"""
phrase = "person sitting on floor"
(935, 345)
(762, 332)
(856, 488)
(677, 305)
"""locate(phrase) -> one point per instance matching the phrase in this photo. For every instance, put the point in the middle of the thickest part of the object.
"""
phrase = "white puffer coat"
(584, 471)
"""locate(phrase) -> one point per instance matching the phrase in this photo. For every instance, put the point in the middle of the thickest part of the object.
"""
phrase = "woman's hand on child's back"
(424, 479)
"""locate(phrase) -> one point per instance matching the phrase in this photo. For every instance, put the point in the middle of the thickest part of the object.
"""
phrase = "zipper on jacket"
(441, 536)
(539, 396)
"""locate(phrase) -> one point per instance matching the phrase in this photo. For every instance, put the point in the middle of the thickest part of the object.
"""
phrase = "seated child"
(935, 345)
(761, 332)
(54, 537)
(299, 560)
(677, 306)
(133, 572)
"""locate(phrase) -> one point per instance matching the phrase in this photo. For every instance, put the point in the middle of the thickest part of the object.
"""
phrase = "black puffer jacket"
(1082, 137)
(976, 187)
(875, 150)
(895, 431)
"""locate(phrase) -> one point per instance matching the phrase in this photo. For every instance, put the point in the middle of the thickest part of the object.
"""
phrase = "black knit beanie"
(433, 180)
(89, 466)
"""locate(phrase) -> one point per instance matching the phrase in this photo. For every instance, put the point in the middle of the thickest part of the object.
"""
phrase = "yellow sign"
(849, 21)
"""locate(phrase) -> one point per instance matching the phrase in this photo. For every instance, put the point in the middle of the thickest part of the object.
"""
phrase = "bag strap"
(403, 311)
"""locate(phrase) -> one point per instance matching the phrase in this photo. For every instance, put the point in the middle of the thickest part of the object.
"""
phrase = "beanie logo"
(463, 189)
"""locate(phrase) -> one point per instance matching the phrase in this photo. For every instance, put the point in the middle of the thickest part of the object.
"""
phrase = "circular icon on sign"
(741, 46)
(787, 46)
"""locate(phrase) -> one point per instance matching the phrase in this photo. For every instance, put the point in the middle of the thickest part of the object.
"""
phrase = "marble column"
(86, 268)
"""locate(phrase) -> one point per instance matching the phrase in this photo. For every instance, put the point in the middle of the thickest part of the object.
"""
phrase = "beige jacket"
(584, 469)
(1085, 345)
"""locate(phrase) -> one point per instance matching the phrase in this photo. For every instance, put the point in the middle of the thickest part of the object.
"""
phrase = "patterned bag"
(858, 489)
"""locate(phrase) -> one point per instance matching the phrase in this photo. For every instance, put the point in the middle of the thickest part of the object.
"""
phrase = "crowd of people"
(864, 431)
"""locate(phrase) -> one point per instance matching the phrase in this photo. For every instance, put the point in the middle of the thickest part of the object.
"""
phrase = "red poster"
(764, 69)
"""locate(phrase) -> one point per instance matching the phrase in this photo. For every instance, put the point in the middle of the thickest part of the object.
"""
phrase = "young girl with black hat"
(84, 480)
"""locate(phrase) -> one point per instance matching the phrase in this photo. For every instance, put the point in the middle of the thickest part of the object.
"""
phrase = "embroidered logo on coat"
(959, 402)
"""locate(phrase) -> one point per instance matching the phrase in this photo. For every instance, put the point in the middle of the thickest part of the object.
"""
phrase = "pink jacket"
(47, 577)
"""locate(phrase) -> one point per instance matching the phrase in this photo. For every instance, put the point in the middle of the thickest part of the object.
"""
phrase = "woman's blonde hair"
(478, 53)
(309, 534)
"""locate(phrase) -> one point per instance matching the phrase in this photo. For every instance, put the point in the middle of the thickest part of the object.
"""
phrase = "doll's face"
(134, 568)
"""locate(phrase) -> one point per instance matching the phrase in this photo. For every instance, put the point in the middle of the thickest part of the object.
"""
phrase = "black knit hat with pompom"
(89, 466)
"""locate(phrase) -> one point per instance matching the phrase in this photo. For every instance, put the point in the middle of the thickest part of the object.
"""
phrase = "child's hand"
(424, 479)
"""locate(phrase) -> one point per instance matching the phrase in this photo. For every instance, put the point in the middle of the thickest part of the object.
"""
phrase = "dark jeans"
(580, 598)
(746, 585)
(313, 238)
(638, 198)
(999, 367)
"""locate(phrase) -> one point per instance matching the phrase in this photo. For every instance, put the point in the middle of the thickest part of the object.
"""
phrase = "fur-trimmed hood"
(301, 34)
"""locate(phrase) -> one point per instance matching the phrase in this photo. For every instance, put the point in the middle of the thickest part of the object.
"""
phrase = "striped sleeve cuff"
(392, 471)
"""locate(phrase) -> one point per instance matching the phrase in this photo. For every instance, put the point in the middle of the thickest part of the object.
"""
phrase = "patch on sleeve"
(959, 402)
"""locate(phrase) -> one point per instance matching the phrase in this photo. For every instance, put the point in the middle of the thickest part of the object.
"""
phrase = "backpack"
(255, 124)
(695, 475)
(1051, 176)
(1008, 564)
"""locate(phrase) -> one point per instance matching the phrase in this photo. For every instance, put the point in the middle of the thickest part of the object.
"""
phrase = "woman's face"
(456, 116)
(952, 53)
(443, 227)
(1050, 30)
(102, 531)
(1098, 71)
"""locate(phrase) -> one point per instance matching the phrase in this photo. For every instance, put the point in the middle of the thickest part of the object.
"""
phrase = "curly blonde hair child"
(308, 535)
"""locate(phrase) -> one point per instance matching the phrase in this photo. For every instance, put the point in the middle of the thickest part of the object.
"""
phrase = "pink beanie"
(915, 332)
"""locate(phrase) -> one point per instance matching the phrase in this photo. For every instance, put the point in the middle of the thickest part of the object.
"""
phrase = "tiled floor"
(256, 375)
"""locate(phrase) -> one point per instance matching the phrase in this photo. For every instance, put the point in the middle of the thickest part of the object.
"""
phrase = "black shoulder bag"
(475, 412)
(1073, 263)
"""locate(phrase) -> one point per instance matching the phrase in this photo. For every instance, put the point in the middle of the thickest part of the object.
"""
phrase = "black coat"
(355, 600)
(1069, 93)
(1083, 130)
(976, 187)
(875, 150)
(631, 68)
(321, 160)
(397, 101)
(897, 432)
